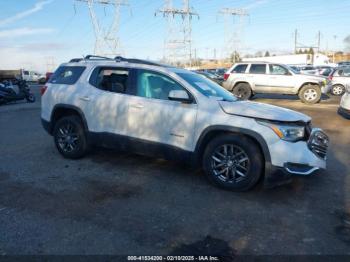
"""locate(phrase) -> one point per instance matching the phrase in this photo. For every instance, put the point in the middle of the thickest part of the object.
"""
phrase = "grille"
(318, 143)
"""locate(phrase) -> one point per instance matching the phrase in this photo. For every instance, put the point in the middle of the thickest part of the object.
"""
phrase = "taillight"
(330, 77)
(226, 76)
(43, 90)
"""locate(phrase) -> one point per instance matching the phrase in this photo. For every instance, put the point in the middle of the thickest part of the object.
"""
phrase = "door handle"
(138, 106)
(84, 98)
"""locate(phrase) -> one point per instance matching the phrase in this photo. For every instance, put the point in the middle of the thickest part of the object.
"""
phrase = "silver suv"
(147, 108)
(340, 77)
(246, 79)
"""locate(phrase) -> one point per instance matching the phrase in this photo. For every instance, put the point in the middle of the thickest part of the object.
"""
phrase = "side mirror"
(179, 95)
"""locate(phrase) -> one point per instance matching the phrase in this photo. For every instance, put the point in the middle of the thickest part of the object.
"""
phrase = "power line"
(233, 29)
(178, 40)
(107, 42)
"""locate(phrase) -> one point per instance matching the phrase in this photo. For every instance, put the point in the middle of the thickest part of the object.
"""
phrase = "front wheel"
(338, 90)
(70, 138)
(233, 162)
(310, 94)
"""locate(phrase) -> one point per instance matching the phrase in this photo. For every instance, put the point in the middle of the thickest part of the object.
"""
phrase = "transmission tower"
(107, 42)
(234, 23)
(178, 40)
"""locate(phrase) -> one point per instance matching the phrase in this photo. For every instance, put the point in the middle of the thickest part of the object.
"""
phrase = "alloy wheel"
(67, 138)
(230, 163)
(338, 90)
(310, 94)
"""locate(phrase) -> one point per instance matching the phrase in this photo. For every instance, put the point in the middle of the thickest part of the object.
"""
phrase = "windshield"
(293, 69)
(207, 87)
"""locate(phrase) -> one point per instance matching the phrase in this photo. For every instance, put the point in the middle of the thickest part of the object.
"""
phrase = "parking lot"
(116, 203)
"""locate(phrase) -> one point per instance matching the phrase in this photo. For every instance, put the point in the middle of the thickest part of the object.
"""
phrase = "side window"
(26, 73)
(257, 69)
(67, 75)
(112, 79)
(240, 69)
(155, 85)
(278, 70)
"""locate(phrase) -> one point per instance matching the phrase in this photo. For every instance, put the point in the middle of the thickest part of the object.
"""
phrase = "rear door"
(106, 100)
(258, 77)
(280, 80)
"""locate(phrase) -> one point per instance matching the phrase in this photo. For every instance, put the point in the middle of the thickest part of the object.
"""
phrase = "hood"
(262, 111)
(313, 78)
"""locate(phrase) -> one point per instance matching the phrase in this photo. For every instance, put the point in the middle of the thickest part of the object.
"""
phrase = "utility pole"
(107, 42)
(295, 41)
(233, 30)
(50, 63)
(178, 41)
(318, 41)
(335, 44)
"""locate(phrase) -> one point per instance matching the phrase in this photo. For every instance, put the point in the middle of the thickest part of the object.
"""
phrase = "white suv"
(246, 79)
(173, 113)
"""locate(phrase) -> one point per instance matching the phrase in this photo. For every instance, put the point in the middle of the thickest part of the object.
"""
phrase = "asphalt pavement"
(118, 203)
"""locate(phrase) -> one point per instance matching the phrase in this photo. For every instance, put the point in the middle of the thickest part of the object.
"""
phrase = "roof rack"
(139, 61)
(96, 57)
(118, 59)
(89, 57)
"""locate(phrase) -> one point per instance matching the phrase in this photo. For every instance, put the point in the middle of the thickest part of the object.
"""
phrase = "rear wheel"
(338, 90)
(233, 162)
(70, 138)
(242, 91)
(310, 94)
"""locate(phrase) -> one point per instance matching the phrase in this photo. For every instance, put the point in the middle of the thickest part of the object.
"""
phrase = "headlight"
(286, 132)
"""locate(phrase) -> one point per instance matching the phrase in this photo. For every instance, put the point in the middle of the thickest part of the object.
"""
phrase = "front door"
(152, 117)
(280, 80)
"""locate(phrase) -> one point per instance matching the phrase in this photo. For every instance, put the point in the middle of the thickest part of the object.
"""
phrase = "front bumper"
(344, 112)
(46, 125)
(301, 158)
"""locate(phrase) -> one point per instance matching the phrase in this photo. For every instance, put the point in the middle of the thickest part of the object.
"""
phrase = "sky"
(40, 34)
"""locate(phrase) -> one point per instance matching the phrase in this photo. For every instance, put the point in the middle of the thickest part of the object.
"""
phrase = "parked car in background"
(324, 70)
(21, 74)
(340, 77)
(220, 71)
(32, 76)
(344, 63)
(308, 69)
(147, 108)
(216, 78)
(344, 108)
(247, 79)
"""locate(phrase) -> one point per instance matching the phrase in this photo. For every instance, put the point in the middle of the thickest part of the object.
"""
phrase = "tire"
(310, 94)
(239, 173)
(70, 138)
(242, 91)
(30, 98)
(338, 90)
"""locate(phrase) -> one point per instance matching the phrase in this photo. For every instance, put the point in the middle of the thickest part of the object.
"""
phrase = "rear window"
(240, 69)
(67, 75)
(257, 69)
